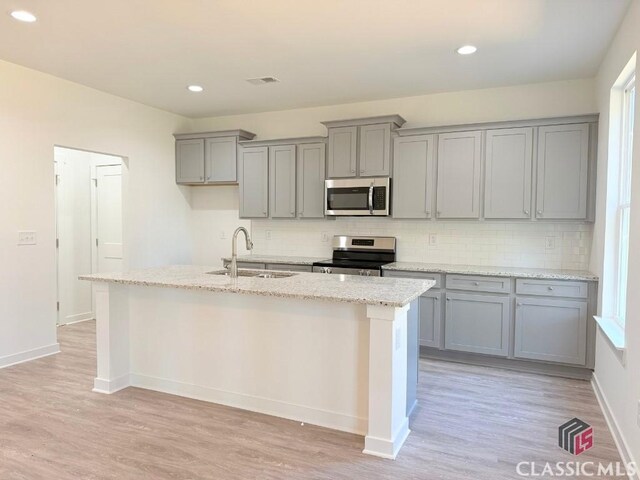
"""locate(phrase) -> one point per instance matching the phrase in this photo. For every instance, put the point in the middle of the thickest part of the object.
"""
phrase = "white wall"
(618, 376)
(215, 208)
(38, 111)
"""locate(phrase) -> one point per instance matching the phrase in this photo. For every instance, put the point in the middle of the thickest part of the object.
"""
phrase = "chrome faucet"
(233, 269)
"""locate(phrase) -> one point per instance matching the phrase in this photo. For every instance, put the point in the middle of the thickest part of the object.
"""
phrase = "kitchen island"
(329, 350)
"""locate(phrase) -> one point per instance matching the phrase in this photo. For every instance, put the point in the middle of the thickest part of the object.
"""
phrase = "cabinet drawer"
(552, 288)
(479, 283)
(289, 267)
(437, 277)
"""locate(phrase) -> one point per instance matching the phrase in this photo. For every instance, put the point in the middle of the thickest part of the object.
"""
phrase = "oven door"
(357, 197)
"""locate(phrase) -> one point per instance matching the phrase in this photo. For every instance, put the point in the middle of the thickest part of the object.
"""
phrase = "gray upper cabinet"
(508, 157)
(208, 158)
(459, 162)
(375, 150)
(311, 175)
(361, 147)
(551, 330)
(221, 160)
(282, 181)
(477, 323)
(253, 176)
(343, 143)
(413, 176)
(562, 181)
(190, 161)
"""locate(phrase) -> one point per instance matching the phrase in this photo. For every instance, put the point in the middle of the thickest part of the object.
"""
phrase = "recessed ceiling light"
(23, 16)
(195, 88)
(466, 50)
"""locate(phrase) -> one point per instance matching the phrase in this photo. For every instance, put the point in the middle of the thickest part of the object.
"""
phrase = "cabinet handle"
(539, 212)
(448, 299)
(526, 212)
(353, 170)
(292, 212)
(208, 177)
(201, 179)
(428, 212)
(519, 304)
(550, 288)
(476, 283)
(264, 213)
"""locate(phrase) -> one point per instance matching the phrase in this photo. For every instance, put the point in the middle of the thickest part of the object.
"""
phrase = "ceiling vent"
(262, 80)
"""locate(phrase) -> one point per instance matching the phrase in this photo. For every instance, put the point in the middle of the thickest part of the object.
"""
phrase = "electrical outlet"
(433, 239)
(550, 243)
(267, 234)
(27, 238)
(223, 235)
(324, 236)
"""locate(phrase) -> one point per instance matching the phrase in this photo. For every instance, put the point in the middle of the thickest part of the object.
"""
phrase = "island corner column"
(388, 425)
(112, 337)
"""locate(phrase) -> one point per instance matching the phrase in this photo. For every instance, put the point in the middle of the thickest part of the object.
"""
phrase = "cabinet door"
(343, 143)
(221, 159)
(563, 159)
(282, 181)
(430, 319)
(477, 323)
(190, 161)
(311, 173)
(375, 150)
(507, 192)
(254, 182)
(458, 190)
(413, 176)
(551, 330)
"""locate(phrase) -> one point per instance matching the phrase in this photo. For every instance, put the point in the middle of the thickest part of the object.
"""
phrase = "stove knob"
(369, 273)
(362, 273)
(328, 270)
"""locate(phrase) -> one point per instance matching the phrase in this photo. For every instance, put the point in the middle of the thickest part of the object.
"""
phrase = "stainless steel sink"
(254, 273)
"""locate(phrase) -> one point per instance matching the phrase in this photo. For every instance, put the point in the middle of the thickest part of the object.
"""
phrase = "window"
(624, 197)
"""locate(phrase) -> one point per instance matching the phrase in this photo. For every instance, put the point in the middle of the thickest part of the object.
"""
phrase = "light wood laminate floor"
(472, 423)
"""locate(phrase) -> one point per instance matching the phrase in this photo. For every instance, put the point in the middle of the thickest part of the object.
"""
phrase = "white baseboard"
(618, 437)
(29, 355)
(299, 413)
(101, 385)
(384, 448)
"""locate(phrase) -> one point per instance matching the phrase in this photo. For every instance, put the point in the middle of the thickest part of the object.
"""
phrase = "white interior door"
(108, 218)
(73, 224)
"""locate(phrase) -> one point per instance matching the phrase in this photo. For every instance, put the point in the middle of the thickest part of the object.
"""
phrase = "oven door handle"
(371, 199)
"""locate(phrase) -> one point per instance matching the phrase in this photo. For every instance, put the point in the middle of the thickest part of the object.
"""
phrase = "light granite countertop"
(393, 292)
(277, 259)
(541, 273)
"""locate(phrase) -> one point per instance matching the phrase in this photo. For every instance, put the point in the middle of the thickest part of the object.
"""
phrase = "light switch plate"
(223, 235)
(267, 234)
(27, 238)
(550, 243)
(433, 240)
(325, 237)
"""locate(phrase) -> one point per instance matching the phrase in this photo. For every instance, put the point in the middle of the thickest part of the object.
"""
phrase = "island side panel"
(112, 337)
(305, 360)
(388, 421)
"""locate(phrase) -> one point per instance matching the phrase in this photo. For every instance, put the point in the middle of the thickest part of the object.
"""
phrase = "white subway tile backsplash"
(508, 244)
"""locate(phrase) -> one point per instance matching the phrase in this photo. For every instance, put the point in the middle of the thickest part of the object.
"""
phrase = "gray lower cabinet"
(459, 163)
(430, 318)
(253, 173)
(289, 267)
(508, 157)
(413, 176)
(551, 330)
(477, 323)
(563, 162)
(282, 181)
(190, 161)
(343, 152)
(311, 174)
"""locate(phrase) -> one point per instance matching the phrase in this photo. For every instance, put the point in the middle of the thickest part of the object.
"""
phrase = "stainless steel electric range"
(359, 256)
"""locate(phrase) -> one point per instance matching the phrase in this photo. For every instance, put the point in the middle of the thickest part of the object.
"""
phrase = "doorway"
(88, 189)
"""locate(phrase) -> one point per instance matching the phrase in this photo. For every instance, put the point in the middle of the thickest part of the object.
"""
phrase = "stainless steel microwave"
(357, 196)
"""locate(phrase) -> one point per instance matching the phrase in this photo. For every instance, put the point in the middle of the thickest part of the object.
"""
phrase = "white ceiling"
(323, 51)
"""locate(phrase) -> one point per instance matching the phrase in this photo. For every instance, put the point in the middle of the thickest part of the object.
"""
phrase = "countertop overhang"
(391, 292)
